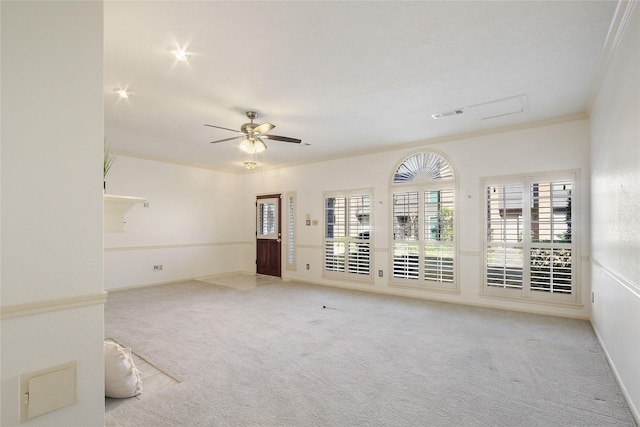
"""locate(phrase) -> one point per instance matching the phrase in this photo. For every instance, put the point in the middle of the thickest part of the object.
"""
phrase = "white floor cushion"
(121, 377)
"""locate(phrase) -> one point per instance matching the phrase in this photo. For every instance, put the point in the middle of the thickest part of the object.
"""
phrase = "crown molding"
(436, 140)
(175, 162)
(385, 149)
(620, 18)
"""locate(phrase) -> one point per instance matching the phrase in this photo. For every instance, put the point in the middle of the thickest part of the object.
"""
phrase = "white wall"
(615, 225)
(52, 247)
(201, 222)
(190, 227)
(52, 121)
(555, 147)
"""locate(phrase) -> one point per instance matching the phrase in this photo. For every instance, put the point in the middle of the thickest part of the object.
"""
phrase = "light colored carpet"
(273, 356)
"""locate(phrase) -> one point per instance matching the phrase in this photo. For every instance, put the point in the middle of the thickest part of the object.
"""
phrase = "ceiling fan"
(253, 135)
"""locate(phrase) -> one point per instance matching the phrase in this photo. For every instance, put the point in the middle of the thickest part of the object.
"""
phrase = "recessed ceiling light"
(180, 54)
(122, 92)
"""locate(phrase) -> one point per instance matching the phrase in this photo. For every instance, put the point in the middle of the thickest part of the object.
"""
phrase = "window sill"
(449, 288)
(345, 277)
(548, 301)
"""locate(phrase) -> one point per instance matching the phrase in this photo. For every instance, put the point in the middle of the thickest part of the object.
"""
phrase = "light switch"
(47, 390)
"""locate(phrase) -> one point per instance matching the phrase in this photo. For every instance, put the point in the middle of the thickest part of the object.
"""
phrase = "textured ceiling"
(345, 77)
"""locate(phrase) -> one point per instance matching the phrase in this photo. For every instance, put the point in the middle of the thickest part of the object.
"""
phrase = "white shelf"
(114, 209)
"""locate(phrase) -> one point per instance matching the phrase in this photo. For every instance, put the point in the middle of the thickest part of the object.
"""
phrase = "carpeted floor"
(256, 351)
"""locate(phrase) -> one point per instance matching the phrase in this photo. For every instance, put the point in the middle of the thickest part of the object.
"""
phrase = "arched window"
(430, 164)
(423, 207)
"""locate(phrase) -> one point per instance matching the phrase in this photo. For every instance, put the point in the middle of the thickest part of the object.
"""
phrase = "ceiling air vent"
(455, 112)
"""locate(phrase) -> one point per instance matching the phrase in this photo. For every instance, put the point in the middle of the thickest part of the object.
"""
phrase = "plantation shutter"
(359, 229)
(438, 248)
(291, 235)
(529, 244)
(423, 204)
(505, 226)
(335, 233)
(347, 247)
(551, 240)
(430, 250)
(406, 251)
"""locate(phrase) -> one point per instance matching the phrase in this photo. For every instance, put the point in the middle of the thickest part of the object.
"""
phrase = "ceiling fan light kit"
(249, 164)
(259, 145)
(252, 134)
(247, 146)
(252, 147)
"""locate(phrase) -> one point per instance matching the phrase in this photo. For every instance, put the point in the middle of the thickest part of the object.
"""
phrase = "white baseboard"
(634, 411)
(184, 279)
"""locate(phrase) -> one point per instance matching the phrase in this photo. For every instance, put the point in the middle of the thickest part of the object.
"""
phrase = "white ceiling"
(345, 77)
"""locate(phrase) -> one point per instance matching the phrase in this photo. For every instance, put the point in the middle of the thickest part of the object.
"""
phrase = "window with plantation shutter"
(529, 246)
(438, 255)
(347, 243)
(423, 206)
(551, 253)
(406, 252)
(504, 236)
(291, 234)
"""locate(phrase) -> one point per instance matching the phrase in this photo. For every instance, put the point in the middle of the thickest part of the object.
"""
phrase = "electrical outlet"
(593, 297)
(307, 266)
(157, 267)
(379, 273)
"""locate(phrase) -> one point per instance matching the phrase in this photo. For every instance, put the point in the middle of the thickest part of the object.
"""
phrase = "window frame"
(527, 243)
(348, 240)
(422, 181)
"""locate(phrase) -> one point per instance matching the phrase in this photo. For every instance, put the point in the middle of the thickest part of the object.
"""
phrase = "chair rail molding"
(46, 306)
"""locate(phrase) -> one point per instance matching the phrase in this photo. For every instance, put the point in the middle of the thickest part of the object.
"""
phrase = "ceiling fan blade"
(226, 139)
(220, 127)
(263, 128)
(282, 138)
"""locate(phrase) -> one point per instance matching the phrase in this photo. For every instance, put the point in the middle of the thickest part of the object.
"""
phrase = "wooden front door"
(268, 235)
